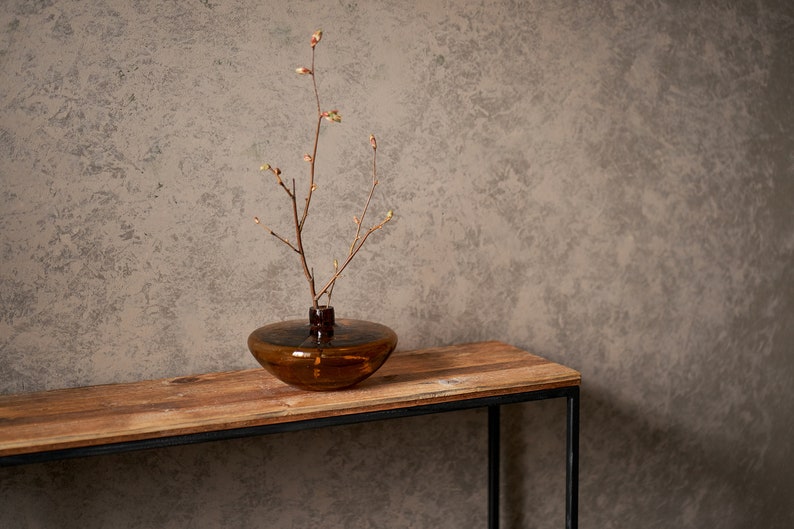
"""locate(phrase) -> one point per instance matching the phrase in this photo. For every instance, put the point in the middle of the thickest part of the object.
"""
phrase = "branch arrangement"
(299, 217)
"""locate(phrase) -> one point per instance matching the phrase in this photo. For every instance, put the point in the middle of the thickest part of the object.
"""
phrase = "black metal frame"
(493, 404)
(571, 450)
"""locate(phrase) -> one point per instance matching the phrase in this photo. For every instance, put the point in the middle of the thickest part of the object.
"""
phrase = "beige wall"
(608, 184)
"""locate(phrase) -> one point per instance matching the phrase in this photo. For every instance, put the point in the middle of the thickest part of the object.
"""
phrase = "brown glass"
(323, 353)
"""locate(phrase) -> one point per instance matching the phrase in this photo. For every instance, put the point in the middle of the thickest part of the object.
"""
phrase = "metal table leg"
(572, 461)
(493, 466)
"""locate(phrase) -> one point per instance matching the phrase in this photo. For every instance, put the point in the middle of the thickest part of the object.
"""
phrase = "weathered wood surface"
(97, 415)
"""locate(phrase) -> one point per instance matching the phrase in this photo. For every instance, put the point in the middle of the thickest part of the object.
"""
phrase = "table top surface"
(113, 413)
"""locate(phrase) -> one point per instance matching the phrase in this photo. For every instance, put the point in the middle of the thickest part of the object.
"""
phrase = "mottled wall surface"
(608, 184)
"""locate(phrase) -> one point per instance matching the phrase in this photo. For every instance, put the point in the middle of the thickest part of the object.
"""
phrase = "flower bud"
(265, 167)
(256, 219)
(316, 37)
(332, 116)
(373, 142)
(303, 71)
(307, 157)
(389, 215)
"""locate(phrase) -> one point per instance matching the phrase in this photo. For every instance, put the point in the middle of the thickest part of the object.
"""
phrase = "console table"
(95, 420)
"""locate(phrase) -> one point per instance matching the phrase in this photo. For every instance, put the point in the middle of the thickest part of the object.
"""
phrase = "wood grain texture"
(96, 415)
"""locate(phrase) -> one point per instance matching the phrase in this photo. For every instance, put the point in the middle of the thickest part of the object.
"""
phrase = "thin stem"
(301, 251)
(331, 289)
(314, 83)
(276, 235)
(352, 254)
(312, 187)
(369, 199)
(277, 173)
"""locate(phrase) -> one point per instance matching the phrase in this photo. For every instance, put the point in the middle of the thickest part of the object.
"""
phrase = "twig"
(276, 235)
(352, 254)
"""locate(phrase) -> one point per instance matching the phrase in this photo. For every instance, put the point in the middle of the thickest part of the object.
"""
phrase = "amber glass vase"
(322, 353)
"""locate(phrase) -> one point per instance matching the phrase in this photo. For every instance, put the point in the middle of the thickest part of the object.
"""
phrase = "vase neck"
(321, 321)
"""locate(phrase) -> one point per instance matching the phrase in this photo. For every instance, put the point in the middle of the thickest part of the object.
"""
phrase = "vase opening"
(321, 322)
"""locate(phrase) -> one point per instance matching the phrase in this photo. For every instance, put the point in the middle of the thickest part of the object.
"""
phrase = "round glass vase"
(323, 353)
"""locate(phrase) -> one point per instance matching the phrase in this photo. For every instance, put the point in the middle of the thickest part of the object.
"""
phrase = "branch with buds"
(299, 218)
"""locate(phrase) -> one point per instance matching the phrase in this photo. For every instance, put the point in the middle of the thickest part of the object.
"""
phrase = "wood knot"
(185, 380)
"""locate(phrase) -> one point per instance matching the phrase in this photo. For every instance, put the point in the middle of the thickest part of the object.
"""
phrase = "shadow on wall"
(668, 477)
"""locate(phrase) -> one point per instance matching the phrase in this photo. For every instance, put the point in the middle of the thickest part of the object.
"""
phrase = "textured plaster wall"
(608, 184)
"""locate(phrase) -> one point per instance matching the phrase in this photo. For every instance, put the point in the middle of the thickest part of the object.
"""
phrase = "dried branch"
(299, 220)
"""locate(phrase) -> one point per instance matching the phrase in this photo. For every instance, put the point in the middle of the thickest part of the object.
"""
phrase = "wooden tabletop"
(99, 415)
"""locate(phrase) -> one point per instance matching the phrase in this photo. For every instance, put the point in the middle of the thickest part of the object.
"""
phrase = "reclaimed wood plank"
(104, 414)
